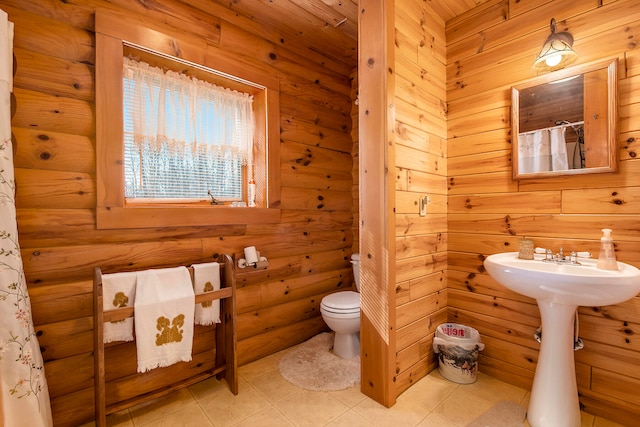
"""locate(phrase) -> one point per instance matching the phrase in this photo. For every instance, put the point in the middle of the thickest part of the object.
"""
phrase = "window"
(195, 168)
(185, 138)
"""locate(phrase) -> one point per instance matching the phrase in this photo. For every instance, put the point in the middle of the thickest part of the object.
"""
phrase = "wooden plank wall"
(488, 50)
(54, 130)
(421, 171)
(355, 171)
(376, 157)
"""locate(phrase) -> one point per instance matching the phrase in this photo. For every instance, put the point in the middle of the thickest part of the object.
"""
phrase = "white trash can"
(457, 347)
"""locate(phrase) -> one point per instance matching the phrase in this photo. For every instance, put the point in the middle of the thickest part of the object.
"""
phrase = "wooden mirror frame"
(610, 143)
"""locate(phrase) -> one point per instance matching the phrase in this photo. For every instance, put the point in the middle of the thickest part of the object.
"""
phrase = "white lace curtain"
(188, 126)
(542, 150)
(24, 398)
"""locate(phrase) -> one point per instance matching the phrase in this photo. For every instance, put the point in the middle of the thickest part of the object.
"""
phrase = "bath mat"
(312, 366)
(502, 414)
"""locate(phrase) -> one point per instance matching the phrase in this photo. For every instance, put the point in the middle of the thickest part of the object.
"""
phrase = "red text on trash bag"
(453, 332)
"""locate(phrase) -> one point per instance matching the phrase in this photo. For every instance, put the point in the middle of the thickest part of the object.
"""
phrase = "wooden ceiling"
(329, 27)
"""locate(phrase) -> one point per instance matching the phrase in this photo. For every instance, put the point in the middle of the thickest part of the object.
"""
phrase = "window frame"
(112, 212)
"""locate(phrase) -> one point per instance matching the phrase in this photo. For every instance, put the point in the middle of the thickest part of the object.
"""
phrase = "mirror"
(565, 122)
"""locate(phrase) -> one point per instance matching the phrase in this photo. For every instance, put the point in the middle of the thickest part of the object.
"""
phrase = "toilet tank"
(355, 262)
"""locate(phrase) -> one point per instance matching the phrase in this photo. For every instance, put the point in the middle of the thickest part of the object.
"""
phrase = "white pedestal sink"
(559, 289)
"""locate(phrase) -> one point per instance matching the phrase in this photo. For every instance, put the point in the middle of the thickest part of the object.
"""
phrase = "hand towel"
(118, 290)
(164, 309)
(206, 278)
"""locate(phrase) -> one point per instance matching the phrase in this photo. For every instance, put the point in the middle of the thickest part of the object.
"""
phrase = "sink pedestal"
(559, 288)
(554, 396)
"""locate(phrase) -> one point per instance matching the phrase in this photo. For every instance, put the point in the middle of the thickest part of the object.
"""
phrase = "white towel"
(118, 290)
(206, 278)
(164, 310)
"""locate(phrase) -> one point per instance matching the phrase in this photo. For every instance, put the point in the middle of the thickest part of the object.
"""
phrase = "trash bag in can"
(457, 347)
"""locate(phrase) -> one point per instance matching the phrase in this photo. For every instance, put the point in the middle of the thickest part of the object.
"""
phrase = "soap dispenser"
(607, 257)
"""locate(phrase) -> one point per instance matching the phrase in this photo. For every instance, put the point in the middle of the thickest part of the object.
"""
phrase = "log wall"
(54, 131)
(489, 49)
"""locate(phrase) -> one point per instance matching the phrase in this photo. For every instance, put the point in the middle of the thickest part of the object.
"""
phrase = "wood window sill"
(196, 216)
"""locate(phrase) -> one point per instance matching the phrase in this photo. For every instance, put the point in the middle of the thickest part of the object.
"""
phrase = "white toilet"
(341, 312)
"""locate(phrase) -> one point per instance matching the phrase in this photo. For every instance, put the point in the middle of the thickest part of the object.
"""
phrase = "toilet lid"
(339, 301)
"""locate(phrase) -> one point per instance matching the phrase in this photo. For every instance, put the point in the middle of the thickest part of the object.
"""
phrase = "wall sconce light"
(556, 52)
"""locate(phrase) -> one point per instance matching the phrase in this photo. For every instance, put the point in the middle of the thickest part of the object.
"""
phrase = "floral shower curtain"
(24, 397)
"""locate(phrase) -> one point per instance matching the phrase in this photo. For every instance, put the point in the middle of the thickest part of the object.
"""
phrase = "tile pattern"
(266, 399)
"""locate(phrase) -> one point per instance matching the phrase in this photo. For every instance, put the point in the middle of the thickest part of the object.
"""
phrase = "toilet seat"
(347, 302)
(345, 313)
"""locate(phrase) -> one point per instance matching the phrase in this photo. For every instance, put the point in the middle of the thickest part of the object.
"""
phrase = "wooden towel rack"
(118, 385)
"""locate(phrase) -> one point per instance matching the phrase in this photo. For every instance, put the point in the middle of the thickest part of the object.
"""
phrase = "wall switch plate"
(423, 202)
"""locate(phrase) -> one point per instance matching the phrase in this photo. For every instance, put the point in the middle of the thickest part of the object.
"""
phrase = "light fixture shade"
(557, 51)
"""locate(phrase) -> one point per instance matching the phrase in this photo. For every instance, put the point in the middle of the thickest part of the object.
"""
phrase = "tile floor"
(266, 399)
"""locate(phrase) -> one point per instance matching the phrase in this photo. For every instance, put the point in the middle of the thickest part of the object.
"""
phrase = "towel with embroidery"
(118, 291)
(206, 278)
(164, 310)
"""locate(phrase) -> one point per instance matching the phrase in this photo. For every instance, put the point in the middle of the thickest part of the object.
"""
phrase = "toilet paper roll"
(251, 255)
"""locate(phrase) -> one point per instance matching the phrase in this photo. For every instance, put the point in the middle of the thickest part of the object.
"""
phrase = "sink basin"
(581, 285)
(559, 289)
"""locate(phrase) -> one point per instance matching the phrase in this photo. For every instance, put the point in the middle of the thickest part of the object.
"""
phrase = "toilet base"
(346, 346)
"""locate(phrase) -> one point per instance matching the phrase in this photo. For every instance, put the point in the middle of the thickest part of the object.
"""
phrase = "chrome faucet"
(560, 258)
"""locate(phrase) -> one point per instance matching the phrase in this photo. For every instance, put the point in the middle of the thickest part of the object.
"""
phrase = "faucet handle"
(574, 257)
(548, 254)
